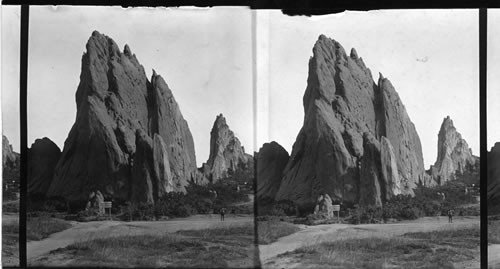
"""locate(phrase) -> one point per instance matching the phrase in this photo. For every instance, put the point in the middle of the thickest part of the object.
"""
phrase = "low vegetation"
(38, 228)
(198, 199)
(271, 230)
(220, 247)
(438, 249)
(10, 244)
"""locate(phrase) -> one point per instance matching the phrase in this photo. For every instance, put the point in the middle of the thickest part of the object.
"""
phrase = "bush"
(284, 208)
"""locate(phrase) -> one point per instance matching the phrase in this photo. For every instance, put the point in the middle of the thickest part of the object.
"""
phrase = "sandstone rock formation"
(493, 177)
(271, 161)
(115, 101)
(42, 159)
(454, 154)
(95, 204)
(226, 153)
(324, 207)
(347, 116)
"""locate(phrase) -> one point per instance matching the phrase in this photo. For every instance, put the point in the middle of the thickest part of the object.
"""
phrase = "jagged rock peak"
(114, 100)
(226, 153)
(454, 154)
(346, 114)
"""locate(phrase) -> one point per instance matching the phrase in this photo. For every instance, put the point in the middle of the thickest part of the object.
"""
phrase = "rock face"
(226, 153)
(95, 203)
(42, 159)
(115, 101)
(493, 158)
(348, 116)
(271, 161)
(324, 207)
(454, 154)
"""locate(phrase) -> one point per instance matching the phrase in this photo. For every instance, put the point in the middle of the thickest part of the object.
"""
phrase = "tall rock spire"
(338, 151)
(115, 101)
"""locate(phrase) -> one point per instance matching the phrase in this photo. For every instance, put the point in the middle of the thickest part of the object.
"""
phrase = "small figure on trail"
(222, 212)
(451, 212)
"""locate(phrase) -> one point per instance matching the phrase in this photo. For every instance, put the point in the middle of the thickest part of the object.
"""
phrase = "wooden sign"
(107, 204)
(336, 208)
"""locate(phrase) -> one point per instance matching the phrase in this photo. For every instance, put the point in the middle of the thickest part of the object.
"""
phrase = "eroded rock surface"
(493, 158)
(454, 154)
(42, 159)
(226, 153)
(115, 100)
(347, 113)
(271, 161)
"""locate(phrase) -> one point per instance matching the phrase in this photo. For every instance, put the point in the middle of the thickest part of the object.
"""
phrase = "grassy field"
(270, 231)
(439, 249)
(220, 247)
(10, 244)
(38, 228)
(494, 231)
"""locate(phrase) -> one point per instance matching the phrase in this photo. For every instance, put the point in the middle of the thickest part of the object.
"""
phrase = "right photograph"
(369, 155)
(493, 142)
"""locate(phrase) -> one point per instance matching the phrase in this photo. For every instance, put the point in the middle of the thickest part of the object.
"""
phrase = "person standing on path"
(451, 212)
(222, 212)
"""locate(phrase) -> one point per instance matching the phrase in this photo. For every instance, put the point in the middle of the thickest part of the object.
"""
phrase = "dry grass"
(270, 231)
(494, 231)
(440, 249)
(38, 228)
(10, 244)
(220, 247)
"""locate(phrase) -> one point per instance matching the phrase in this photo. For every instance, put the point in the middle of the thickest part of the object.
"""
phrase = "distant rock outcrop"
(11, 170)
(454, 154)
(271, 161)
(95, 204)
(357, 143)
(9, 157)
(493, 158)
(42, 159)
(115, 101)
(226, 153)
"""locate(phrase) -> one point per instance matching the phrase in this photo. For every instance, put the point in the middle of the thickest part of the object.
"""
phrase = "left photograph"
(140, 135)
(11, 158)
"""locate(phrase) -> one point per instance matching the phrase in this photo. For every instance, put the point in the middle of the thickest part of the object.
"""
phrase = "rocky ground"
(272, 255)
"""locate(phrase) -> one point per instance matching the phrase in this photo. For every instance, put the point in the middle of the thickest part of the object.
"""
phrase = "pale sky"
(10, 74)
(430, 56)
(204, 55)
(493, 78)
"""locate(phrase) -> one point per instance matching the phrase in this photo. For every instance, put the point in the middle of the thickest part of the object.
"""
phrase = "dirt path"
(331, 232)
(37, 250)
(494, 256)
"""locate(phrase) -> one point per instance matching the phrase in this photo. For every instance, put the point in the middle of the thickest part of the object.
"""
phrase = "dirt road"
(331, 232)
(36, 250)
(494, 256)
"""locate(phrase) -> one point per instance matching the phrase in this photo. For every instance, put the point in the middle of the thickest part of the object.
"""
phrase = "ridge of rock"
(338, 150)
(493, 177)
(271, 161)
(115, 101)
(42, 160)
